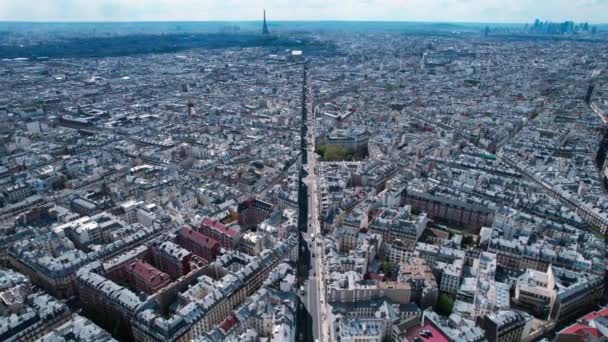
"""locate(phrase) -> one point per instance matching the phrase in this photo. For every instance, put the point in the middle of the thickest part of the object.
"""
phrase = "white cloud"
(398, 10)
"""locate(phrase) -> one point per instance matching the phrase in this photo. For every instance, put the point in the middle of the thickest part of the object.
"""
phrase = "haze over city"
(515, 11)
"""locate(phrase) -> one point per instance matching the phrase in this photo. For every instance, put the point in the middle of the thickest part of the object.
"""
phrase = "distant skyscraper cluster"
(566, 27)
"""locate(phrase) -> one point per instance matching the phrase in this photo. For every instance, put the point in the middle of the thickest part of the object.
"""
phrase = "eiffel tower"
(265, 27)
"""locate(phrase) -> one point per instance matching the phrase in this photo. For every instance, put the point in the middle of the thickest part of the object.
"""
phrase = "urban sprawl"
(400, 187)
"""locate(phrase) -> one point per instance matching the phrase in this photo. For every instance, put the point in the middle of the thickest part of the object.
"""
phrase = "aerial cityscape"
(275, 180)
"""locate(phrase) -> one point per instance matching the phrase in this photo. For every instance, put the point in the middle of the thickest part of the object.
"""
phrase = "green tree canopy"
(334, 152)
(445, 304)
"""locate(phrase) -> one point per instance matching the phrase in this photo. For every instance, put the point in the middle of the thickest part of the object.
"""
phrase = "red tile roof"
(582, 330)
(199, 238)
(437, 335)
(218, 226)
(595, 314)
(149, 273)
(375, 276)
(228, 323)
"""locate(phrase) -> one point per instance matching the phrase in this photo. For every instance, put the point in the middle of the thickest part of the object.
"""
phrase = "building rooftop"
(219, 227)
(201, 239)
(153, 276)
(77, 329)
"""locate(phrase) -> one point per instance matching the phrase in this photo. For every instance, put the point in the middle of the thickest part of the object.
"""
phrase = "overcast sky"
(595, 11)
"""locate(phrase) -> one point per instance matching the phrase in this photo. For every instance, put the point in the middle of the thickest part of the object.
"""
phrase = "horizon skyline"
(424, 11)
(270, 21)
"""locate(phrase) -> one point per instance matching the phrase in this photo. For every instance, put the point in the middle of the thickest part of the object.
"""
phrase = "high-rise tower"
(265, 28)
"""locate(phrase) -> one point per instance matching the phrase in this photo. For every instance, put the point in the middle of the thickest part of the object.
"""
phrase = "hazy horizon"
(259, 21)
(422, 11)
